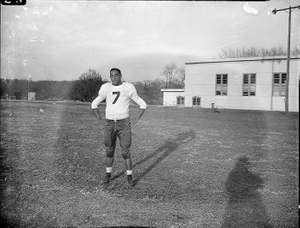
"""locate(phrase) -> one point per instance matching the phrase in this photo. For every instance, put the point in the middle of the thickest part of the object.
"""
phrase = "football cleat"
(107, 178)
(130, 181)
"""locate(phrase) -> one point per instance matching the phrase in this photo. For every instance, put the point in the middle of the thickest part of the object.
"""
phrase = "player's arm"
(96, 102)
(135, 97)
(138, 116)
(97, 113)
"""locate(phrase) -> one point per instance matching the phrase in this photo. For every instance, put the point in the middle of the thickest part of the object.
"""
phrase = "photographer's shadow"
(245, 208)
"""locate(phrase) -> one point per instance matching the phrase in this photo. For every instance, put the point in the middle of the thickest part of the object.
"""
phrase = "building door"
(196, 101)
(180, 101)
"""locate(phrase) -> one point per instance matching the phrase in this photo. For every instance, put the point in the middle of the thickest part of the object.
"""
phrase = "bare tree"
(174, 76)
(168, 72)
(182, 76)
(296, 50)
(256, 52)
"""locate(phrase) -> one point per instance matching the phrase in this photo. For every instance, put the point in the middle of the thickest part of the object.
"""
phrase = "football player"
(117, 122)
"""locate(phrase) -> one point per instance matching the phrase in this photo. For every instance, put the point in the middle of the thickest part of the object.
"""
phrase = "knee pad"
(125, 153)
(110, 152)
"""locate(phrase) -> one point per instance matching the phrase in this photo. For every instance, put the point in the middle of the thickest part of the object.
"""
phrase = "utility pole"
(289, 10)
(28, 82)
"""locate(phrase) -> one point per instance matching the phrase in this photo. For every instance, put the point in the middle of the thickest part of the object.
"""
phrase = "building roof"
(172, 90)
(251, 59)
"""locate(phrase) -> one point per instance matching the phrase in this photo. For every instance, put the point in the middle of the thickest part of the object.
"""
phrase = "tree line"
(245, 52)
(86, 88)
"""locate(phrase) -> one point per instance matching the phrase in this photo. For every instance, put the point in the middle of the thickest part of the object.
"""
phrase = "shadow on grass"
(128, 227)
(245, 207)
(164, 151)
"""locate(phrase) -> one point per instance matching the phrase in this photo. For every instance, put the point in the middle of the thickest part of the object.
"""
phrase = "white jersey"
(118, 100)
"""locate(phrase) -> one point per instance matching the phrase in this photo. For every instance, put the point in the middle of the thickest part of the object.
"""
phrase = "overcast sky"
(60, 40)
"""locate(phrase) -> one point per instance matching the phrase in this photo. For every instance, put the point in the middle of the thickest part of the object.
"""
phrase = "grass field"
(192, 168)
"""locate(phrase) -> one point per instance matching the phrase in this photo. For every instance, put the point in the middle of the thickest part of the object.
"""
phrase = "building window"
(279, 84)
(221, 85)
(196, 100)
(249, 84)
(180, 100)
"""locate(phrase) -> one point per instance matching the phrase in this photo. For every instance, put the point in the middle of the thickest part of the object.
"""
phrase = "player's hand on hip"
(133, 122)
(102, 122)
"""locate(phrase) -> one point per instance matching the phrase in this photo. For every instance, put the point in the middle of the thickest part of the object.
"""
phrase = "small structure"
(173, 97)
(31, 96)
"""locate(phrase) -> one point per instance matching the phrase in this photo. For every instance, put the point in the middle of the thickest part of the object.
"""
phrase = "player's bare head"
(115, 76)
(116, 69)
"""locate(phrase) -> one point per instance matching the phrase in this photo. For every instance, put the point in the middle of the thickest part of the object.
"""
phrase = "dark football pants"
(118, 129)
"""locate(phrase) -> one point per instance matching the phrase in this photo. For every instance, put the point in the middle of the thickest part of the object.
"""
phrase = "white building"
(250, 84)
(173, 97)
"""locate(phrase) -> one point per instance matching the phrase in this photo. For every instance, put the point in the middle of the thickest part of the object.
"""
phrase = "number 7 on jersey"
(117, 97)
